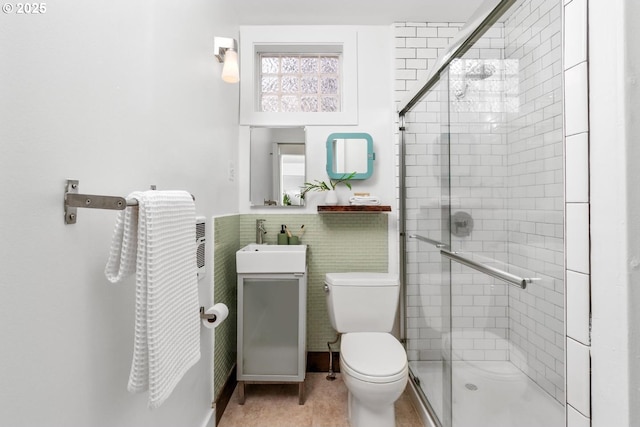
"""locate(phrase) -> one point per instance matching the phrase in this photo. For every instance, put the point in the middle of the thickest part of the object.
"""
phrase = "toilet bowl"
(374, 368)
(373, 363)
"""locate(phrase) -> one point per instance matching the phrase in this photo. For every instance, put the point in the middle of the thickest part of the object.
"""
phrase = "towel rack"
(511, 279)
(73, 200)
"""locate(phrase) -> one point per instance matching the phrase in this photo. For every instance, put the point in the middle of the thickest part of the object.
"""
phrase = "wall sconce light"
(226, 50)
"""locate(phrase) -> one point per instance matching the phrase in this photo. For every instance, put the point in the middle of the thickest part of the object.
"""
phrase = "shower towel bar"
(74, 200)
(491, 271)
(435, 243)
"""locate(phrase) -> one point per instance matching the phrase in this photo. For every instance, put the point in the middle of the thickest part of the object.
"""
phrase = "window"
(299, 83)
(298, 76)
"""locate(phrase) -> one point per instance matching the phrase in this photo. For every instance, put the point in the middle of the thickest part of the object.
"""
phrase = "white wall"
(632, 98)
(613, 94)
(375, 116)
(119, 95)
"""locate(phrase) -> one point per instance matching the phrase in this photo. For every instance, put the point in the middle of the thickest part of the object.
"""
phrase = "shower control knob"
(326, 288)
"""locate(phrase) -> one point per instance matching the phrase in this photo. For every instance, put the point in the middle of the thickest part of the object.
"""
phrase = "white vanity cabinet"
(272, 313)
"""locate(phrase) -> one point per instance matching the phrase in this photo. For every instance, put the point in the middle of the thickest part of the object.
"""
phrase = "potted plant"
(331, 198)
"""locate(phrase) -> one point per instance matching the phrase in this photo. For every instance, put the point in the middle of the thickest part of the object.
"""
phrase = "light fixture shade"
(230, 72)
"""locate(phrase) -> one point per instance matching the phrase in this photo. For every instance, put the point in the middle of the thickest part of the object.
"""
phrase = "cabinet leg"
(241, 392)
(301, 393)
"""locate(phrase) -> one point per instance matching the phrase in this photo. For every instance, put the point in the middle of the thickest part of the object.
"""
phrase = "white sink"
(255, 258)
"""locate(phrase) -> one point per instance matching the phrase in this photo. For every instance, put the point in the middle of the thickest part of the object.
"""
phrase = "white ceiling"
(347, 12)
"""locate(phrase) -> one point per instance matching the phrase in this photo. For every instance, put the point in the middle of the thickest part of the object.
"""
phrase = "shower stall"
(482, 222)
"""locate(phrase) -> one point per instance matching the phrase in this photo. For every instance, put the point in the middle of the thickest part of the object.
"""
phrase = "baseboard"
(318, 361)
(222, 400)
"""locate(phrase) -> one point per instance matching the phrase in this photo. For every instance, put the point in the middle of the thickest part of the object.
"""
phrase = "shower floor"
(490, 394)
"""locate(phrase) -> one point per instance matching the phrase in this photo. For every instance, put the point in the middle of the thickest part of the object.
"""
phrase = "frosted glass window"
(329, 85)
(270, 103)
(309, 65)
(329, 65)
(270, 84)
(300, 83)
(289, 84)
(309, 104)
(309, 84)
(329, 104)
(290, 104)
(270, 65)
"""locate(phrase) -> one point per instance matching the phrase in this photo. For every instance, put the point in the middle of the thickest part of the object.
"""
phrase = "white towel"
(167, 321)
(364, 200)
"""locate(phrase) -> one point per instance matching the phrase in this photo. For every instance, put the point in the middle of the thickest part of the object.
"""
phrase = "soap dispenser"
(282, 237)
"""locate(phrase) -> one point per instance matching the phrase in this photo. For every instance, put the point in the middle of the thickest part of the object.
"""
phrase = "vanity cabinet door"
(271, 329)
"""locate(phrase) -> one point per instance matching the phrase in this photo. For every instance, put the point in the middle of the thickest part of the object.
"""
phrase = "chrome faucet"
(260, 231)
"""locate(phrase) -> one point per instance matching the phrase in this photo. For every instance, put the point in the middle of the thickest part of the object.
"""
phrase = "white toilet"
(373, 363)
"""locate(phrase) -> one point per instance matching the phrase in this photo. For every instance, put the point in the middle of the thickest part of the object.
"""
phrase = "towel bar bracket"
(73, 200)
(70, 212)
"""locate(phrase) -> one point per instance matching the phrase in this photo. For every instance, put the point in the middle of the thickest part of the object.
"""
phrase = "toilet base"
(363, 416)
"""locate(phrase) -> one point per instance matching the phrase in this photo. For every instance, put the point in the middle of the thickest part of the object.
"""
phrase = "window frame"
(256, 40)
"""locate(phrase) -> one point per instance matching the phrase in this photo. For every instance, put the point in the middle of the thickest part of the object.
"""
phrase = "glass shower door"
(483, 203)
(506, 186)
(426, 208)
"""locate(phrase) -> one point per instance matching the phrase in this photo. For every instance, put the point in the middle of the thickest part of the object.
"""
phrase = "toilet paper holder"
(206, 316)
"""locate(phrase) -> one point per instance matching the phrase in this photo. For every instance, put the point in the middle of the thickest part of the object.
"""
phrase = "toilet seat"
(375, 357)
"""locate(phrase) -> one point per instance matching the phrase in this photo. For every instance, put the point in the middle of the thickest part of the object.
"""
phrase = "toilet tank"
(362, 302)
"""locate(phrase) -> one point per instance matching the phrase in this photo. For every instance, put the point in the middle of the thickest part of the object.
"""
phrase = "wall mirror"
(277, 167)
(348, 153)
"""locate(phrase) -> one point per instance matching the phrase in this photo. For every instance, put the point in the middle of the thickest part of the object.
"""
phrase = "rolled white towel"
(364, 200)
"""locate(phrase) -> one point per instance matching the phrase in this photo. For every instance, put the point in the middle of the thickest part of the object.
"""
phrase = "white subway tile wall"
(533, 35)
(505, 112)
(578, 376)
(427, 301)
(577, 206)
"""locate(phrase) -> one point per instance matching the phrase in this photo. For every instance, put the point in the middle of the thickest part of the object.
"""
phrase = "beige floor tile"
(276, 405)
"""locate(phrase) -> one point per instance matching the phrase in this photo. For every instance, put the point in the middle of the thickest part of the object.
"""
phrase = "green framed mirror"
(348, 153)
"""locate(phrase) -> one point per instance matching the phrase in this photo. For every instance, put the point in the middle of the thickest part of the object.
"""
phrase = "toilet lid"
(373, 356)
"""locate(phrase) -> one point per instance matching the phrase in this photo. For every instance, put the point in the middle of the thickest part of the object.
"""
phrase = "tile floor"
(276, 405)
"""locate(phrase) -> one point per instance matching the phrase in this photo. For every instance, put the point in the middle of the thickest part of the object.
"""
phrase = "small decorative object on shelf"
(331, 197)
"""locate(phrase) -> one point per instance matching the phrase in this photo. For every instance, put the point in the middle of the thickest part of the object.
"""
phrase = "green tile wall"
(336, 243)
(226, 242)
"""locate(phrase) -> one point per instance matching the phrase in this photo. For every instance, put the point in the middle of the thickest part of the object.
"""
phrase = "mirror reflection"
(277, 166)
(349, 153)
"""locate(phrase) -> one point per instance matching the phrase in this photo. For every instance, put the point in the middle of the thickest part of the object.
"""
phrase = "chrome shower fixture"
(480, 71)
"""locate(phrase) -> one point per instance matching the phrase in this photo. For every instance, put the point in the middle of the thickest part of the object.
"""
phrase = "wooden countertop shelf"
(353, 208)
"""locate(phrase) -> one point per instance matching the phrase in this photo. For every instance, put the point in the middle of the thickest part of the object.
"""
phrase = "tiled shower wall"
(336, 243)
(477, 104)
(479, 309)
(533, 35)
(418, 45)
(515, 195)
(578, 267)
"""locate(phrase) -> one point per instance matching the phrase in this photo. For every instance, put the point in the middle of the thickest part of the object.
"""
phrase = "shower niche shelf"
(353, 208)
